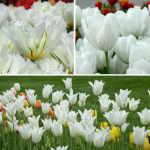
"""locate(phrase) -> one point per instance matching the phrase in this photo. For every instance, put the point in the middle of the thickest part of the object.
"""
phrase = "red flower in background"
(112, 2)
(98, 4)
(131, 5)
(148, 2)
(61, 0)
(25, 3)
(124, 4)
(105, 11)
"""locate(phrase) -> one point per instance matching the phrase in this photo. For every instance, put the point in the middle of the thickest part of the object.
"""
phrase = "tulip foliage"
(38, 40)
(54, 123)
(116, 43)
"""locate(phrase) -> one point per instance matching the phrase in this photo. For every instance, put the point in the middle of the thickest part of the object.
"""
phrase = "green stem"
(36, 146)
(87, 146)
(54, 143)
(20, 141)
(50, 136)
(107, 62)
(45, 140)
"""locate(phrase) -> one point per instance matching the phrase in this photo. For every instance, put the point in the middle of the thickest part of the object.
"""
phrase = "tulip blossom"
(62, 115)
(104, 104)
(47, 90)
(112, 2)
(27, 112)
(115, 106)
(45, 107)
(56, 127)
(46, 123)
(97, 87)
(133, 104)
(10, 95)
(29, 92)
(75, 129)
(68, 83)
(33, 121)
(86, 113)
(124, 4)
(60, 148)
(98, 4)
(57, 96)
(72, 116)
(89, 134)
(116, 117)
(81, 104)
(139, 135)
(37, 134)
(25, 131)
(123, 127)
(99, 139)
(11, 109)
(133, 26)
(4, 100)
(107, 131)
(72, 97)
(32, 99)
(83, 97)
(19, 105)
(17, 87)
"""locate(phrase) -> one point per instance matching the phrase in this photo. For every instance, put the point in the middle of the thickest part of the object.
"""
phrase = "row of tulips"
(22, 117)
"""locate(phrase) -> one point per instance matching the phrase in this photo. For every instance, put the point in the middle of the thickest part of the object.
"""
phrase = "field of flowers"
(69, 112)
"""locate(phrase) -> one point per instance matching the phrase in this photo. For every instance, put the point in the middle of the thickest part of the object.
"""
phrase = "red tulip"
(30, 2)
(124, 4)
(105, 11)
(61, 0)
(71, 106)
(26, 6)
(98, 4)
(148, 2)
(18, 4)
(131, 5)
(112, 2)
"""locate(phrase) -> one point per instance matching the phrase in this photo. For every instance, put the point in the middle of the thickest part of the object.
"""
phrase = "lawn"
(138, 85)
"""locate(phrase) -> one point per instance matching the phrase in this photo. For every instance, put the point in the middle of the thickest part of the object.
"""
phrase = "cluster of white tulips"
(37, 41)
(61, 128)
(117, 43)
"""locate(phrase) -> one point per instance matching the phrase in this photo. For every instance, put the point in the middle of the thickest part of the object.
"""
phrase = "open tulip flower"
(72, 97)
(45, 107)
(33, 121)
(11, 109)
(68, 83)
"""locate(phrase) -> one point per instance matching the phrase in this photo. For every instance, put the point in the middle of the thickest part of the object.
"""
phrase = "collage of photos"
(75, 75)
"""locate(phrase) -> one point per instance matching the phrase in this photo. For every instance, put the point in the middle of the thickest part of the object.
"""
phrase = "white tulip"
(81, 104)
(86, 113)
(72, 116)
(1, 118)
(33, 121)
(4, 100)
(78, 16)
(107, 131)
(17, 87)
(83, 97)
(123, 127)
(133, 104)
(115, 106)
(25, 131)
(19, 105)
(68, 83)
(139, 135)
(57, 96)
(11, 109)
(10, 95)
(37, 134)
(29, 92)
(27, 111)
(47, 123)
(97, 87)
(57, 128)
(32, 99)
(13, 126)
(45, 107)
(72, 97)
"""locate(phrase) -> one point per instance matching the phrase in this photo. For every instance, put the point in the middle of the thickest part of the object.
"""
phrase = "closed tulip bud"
(98, 4)
(111, 135)
(4, 116)
(21, 122)
(68, 83)
(123, 128)
(112, 2)
(103, 124)
(131, 138)
(48, 144)
(95, 112)
(53, 115)
(17, 87)
(4, 123)
(124, 4)
(1, 107)
(22, 94)
(31, 113)
(38, 104)
(25, 104)
(50, 111)
(66, 124)
(116, 133)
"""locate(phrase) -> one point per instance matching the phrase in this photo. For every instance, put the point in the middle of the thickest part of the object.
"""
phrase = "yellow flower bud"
(112, 127)
(93, 113)
(66, 124)
(25, 104)
(116, 140)
(4, 116)
(146, 145)
(103, 124)
(116, 133)
(131, 138)
(111, 135)
(31, 112)
(21, 122)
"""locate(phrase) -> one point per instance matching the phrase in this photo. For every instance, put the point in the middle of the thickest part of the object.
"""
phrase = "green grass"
(138, 85)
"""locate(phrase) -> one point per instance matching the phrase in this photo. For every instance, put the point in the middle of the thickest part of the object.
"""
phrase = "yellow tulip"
(103, 124)
(131, 138)
(4, 115)
(146, 145)
(21, 122)
(25, 104)
(95, 112)
(116, 132)
(112, 127)
(111, 135)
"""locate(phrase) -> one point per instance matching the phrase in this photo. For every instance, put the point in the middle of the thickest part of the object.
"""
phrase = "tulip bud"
(95, 122)
(48, 144)
(98, 4)
(19, 115)
(5, 130)
(17, 87)
(116, 140)
(38, 104)
(116, 133)
(124, 4)
(53, 115)
(22, 94)
(25, 104)
(21, 122)
(147, 3)
(66, 124)
(50, 111)
(146, 145)
(103, 124)
(4, 123)
(111, 135)
(1, 107)
(131, 138)
(93, 113)
(4, 116)
(112, 2)
(31, 112)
